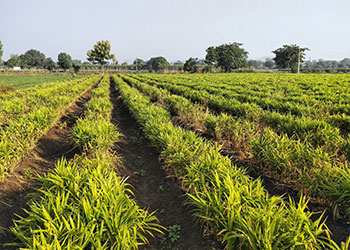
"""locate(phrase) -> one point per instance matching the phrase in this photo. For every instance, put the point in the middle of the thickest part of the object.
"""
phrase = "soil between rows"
(51, 147)
(154, 190)
(339, 227)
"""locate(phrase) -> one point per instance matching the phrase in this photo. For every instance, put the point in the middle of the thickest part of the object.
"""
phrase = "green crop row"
(332, 112)
(22, 102)
(26, 81)
(276, 91)
(233, 206)
(19, 135)
(310, 131)
(83, 204)
(287, 160)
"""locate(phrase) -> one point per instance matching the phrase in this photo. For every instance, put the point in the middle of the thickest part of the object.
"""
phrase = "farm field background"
(234, 143)
(294, 129)
(22, 81)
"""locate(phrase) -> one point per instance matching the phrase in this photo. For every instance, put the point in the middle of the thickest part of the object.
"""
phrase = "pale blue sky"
(175, 29)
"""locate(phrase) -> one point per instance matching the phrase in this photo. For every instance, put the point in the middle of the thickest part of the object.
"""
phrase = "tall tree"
(289, 56)
(76, 65)
(269, 63)
(33, 58)
(64, 61)
(157, 64)
(1, 52)
(50, 64)
(191, 65)
(14, 61)
(211, 56)
(345, 63)
(227, 56)
(101, 53)
(139, 63)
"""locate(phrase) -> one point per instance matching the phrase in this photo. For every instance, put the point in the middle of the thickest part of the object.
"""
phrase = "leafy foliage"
(139, 63)
(14, 61)
(83, 204)
(157, 64)
(50, 64)
(227, 56)
(33, 58)
(100, 53)
(288, 56)
(64, 61)
(233, 206)
(190, 65)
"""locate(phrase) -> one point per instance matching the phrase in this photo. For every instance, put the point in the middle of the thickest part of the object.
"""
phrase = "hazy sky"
(175, 29)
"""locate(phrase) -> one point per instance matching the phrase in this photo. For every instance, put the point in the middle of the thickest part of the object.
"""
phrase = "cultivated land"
(23, 81)
(207, 159)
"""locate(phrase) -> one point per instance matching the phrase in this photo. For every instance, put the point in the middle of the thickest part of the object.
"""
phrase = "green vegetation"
(307, 153)
(24, 119)
(292, 128)
(289, 56)
(234, 207)
(27, 81)
(227, 56)
(101, 53)
(64, 61)
(83, 204)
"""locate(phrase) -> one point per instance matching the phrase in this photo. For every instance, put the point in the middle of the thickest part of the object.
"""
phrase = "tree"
(345, 63)
(76, 65)
(139, 63)
(289, 56)
(50, 64)
(64, 61)
(211, 56)
(157, 64)
(191, 65)
(14, 61)
(256, 64)
(227, 56)
(269, 63)
(33, 58)
(1, 53)
(100, 53)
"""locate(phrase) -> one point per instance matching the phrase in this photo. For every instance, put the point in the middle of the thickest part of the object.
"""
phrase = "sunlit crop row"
(234, 207)
(288, 160)
(32, 115)
(83, 204)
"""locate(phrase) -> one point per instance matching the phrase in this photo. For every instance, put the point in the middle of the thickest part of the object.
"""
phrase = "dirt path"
(49, 149)
(153, 189)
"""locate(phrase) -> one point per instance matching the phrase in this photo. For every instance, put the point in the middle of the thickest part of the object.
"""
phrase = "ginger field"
(177, 161)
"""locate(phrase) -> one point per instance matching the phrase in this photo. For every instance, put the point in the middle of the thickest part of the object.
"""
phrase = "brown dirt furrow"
(154, 190)
(51, 147)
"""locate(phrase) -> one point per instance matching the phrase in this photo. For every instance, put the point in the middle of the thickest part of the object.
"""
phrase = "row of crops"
(83, 204)
(27, 115)
(234, 207)
(310, 154)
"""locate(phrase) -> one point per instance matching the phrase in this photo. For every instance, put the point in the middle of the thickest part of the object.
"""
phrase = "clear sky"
(175, 29)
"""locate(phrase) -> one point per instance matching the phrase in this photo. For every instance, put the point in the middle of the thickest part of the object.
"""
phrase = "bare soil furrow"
(156, 189)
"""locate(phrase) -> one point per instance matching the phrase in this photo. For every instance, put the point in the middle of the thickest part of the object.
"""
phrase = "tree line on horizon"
(227, 57)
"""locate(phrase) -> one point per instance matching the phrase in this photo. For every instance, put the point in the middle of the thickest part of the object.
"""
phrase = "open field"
(213, 161)
(23, 81)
